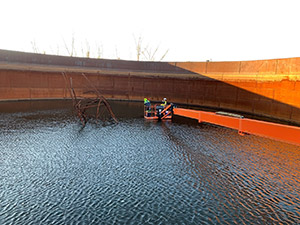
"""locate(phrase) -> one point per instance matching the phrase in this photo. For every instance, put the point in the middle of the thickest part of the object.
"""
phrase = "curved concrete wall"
(263, 87)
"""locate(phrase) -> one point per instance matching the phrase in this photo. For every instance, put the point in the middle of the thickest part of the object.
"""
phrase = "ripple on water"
(142, 172)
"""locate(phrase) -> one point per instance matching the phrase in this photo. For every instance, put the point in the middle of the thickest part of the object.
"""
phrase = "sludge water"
(139, 172)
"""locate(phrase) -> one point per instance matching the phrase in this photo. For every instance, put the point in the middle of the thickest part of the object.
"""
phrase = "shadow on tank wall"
(65, 61)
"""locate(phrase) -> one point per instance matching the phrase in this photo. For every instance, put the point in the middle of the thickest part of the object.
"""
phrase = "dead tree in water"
(82, 104)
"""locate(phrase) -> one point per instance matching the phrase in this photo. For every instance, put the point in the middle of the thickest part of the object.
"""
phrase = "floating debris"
(83, 104)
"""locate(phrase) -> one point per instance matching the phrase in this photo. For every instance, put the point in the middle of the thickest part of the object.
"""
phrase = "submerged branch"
(82, 105)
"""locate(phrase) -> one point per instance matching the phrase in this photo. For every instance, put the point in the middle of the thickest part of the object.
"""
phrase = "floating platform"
(158, 112)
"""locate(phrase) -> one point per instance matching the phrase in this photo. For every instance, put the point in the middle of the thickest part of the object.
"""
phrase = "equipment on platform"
(158, 111)
(229, 114)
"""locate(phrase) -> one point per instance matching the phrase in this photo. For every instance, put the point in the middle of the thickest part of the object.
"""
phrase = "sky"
(185, 30)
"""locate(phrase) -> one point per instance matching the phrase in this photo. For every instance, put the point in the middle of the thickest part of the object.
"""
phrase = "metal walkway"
(285, 133)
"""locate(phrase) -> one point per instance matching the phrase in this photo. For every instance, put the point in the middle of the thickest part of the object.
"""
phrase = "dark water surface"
(139, 172)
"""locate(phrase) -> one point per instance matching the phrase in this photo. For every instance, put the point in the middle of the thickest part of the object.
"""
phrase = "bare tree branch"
(164, 55)
(117, 53)
(71, 51)
(99, 51)
(147, 52)
(88, 49)
(138, 47)
(34, 47)
(66, 47)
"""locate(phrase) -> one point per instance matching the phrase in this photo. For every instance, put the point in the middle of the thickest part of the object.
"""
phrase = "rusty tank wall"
(263, 87)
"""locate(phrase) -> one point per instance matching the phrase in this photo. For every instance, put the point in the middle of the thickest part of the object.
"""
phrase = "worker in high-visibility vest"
(146, 102)
(148, 106)
(164, 104)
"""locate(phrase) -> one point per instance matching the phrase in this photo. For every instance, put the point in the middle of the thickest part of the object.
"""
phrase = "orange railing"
(280, 132)
(150, 111)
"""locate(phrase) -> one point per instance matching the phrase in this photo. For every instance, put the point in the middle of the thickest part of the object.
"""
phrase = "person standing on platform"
(164, 104)
(147, 106)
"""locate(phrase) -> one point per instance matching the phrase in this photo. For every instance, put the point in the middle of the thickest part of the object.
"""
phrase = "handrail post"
(241, 132)
(199, 118)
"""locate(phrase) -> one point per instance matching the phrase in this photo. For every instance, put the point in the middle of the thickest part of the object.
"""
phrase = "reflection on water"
(139, 172)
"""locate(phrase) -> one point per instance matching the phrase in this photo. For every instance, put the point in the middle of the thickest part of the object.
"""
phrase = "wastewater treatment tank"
(53, 171)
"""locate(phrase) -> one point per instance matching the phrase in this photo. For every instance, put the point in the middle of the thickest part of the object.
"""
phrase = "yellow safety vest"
(165, 103)
(146, 101)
